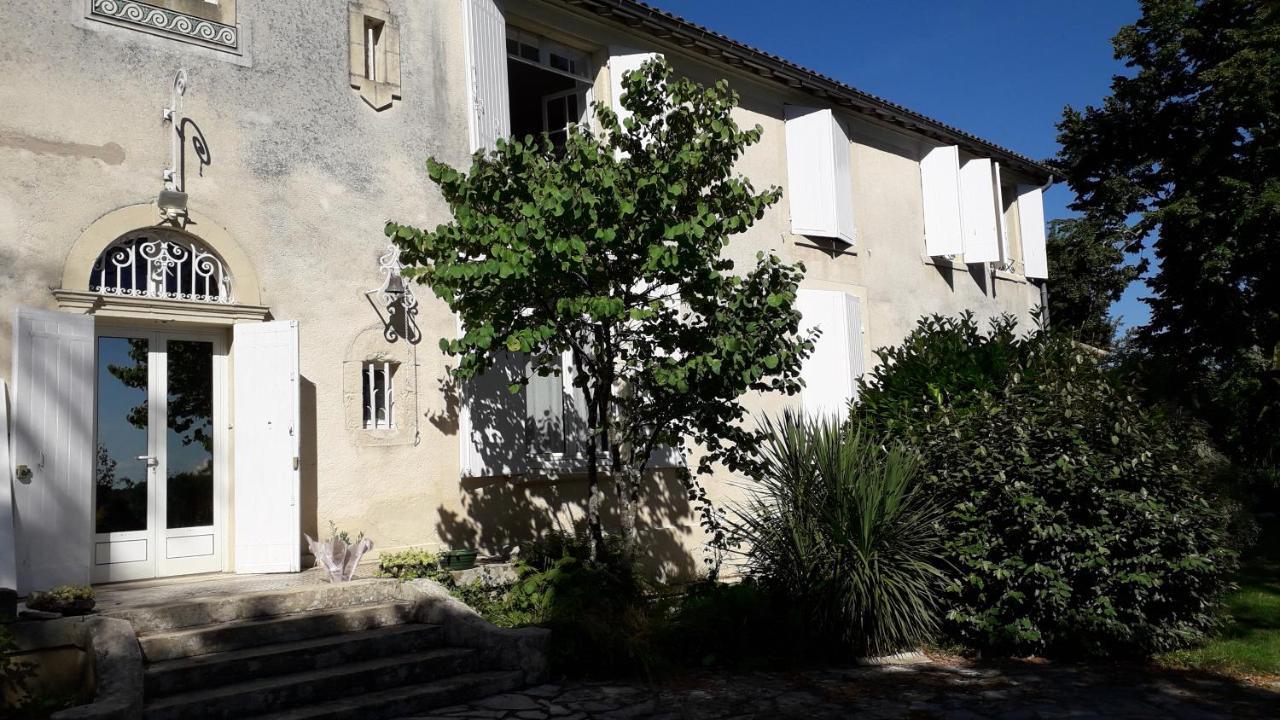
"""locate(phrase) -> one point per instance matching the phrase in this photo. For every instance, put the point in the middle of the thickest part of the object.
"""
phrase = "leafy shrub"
(836, 523)
(412, 564)
(736, 626)
(1079, 520)
(65, 599)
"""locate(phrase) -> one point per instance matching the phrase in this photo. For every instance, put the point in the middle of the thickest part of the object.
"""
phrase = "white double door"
(160, 460)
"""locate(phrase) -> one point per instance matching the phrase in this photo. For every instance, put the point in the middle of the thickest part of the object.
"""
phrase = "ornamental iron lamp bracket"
(396, 299)
(173, 198)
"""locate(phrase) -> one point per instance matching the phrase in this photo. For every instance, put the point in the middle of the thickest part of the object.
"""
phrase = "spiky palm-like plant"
(838, 523)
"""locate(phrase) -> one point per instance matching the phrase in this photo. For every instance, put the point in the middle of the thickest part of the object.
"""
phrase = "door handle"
(24, 473)
(152, 461)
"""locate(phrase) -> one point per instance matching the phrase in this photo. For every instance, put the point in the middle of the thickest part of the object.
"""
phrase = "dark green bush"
(1079, 519)
(836, 523)
(738, 626)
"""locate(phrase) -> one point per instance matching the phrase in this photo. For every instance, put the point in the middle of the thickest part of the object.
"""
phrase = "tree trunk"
(628, 490)
(595, 529)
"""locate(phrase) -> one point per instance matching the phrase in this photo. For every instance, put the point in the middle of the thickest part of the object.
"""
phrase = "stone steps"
(410, 700)
(169, 677)
(308, 687)
(240, 634)
(350, 651)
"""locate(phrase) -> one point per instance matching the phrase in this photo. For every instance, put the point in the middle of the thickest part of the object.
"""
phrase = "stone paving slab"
(924, 691)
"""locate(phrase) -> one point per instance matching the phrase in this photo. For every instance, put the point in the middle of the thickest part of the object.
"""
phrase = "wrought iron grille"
(162, 264)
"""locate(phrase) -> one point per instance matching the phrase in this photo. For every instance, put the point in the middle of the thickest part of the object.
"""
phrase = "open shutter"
(486, 43)
(832, 372)
(978, 205)
(492, 426)
(622, 61)
(8, 559)
(53, 437)
(940, 183)
(268, 535)
(819, 174)
(1006, 256)
(1035, 259)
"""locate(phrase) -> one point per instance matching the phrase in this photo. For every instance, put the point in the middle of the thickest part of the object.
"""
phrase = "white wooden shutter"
(622, 61)
(819, 174)
(978, 205)
(1002, 225)
(268, 534)
(492, 423)
(832, 372)
(1035, 259)
(8, 558)
(940, 184)
(485, 28)
(53, 358)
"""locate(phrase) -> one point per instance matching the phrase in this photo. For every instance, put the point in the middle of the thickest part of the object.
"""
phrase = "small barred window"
(379, 394)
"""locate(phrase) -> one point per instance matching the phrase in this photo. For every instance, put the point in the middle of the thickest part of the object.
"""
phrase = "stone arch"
(78, 267)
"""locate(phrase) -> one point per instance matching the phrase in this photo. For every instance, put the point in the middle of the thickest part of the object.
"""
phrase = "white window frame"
(370, 372)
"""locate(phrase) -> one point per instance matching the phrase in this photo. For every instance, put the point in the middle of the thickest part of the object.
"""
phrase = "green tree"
(1182, 159)
(1089, 274)
(611, 248)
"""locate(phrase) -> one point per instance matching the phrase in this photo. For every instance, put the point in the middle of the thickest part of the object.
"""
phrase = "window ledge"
(944, 262)
(214, 34)
(91, 303)
(1008, 276)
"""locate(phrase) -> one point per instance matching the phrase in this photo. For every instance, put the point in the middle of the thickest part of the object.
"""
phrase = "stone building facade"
(193, 331)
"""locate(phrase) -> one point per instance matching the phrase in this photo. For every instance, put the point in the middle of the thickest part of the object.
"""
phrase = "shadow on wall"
(499, 514)
(516, 506)
(309, 501)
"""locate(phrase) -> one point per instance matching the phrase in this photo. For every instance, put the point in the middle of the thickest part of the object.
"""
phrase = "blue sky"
(1002, 71)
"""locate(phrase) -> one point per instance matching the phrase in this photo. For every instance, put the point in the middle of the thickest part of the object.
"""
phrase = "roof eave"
(671, 28)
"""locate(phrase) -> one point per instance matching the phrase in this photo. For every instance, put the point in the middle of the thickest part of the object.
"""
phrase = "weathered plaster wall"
(304, 175)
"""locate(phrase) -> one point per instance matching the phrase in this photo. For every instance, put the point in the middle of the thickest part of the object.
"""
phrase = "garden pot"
(458, 560)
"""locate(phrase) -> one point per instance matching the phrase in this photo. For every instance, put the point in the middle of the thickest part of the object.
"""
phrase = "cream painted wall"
(304, 175)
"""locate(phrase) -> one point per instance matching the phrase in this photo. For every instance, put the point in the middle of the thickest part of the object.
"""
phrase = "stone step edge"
(192, 630)
(243, 634)
(159, 668)
(207, 610)
(305, 676)
(448, 689)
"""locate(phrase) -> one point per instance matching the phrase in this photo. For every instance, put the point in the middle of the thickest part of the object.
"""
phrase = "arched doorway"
(160, 406)
(159, 384)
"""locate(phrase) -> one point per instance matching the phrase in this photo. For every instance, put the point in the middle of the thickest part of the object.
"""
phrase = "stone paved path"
(1016, 691)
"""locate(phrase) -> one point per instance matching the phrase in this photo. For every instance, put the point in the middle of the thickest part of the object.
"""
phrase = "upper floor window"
(204, 22)
(547, 86)
(161, 264)
(373, 44)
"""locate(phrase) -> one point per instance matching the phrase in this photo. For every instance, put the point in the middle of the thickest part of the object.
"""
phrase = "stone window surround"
(369, 346)
(210, 24)
(381, 91)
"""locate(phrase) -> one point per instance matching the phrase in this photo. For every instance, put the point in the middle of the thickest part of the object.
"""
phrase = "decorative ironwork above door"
(161, 264)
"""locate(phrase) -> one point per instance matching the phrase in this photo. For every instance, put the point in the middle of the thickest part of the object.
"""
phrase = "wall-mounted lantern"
(396, 299)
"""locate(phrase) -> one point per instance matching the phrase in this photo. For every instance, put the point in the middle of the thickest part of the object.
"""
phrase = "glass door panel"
(123, 459)
(189, 438)
(188, 540)
(156, 479)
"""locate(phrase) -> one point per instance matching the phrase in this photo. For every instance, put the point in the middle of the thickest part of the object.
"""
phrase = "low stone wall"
(523, 649)
(108, 659)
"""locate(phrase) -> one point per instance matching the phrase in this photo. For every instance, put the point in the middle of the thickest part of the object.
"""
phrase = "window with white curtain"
(378, 379)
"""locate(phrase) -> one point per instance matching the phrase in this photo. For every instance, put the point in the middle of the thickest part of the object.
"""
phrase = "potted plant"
(458, 559)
